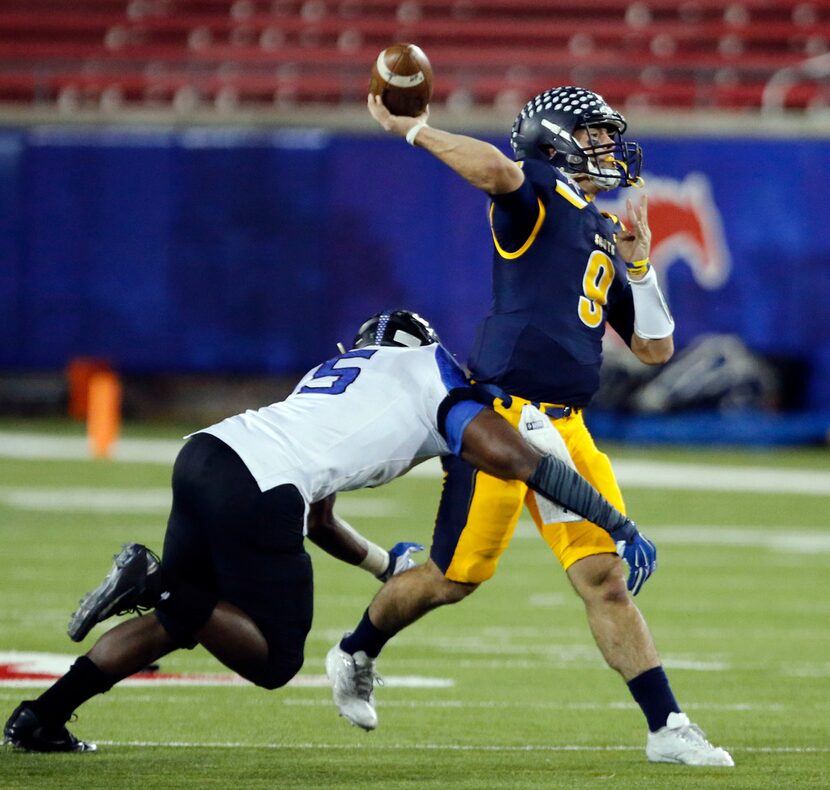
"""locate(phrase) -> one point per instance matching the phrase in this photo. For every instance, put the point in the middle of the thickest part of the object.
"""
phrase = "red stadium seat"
(484, 52)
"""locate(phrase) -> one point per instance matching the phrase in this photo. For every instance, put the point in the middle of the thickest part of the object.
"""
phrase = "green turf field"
(519, 696)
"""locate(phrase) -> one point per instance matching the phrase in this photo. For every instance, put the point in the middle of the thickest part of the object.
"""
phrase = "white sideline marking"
(53, 665)
(17, 444)
(696, 666)
(700, 477)
(202, 681)
(547, 599)
(76, 499)
(647, 474)
(87, 500)
(440, 747)
(763, 536)
(630, 473)
(156, 697)
(785, 540)
(741, 707)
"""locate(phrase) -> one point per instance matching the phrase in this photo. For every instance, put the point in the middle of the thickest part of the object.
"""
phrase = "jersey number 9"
(599, 274)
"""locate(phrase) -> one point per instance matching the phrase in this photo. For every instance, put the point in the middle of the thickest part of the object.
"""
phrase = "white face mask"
(604, 178)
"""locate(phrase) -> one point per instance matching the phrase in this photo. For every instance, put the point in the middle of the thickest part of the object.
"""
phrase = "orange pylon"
(103, 421)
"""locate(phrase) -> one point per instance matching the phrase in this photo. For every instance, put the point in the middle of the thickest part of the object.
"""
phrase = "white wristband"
(376, 560)
(413, 132)
(652, 319)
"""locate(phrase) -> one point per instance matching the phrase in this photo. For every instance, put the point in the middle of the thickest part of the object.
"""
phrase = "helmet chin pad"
(603, 177)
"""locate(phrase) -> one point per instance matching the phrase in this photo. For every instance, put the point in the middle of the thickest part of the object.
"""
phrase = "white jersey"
(360, 419)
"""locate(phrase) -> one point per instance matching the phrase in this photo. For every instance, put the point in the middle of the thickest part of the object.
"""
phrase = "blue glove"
(639, 553)
(400, 559)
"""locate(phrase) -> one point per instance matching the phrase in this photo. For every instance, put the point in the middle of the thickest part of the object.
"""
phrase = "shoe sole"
(676, 761)
(20, 746)
(94, 607)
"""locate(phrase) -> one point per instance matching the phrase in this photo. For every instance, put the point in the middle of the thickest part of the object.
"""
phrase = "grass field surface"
(505, 690)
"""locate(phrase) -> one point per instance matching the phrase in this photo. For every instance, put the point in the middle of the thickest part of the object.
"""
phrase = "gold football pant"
(478, 513)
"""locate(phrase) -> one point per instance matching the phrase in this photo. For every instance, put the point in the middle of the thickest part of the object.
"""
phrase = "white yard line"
(631, 473)
(773, 537)
(576, 706)
(78, 499)
(648, 474)
(87, 500)
(169, 694)
(20, 444)
(16, 665)
(438, 747)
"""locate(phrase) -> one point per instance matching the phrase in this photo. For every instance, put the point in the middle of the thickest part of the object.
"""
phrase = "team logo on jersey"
(685, 224)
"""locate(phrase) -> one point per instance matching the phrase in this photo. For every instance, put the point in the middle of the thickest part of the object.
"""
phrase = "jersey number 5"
(341, 377)
(599, 274)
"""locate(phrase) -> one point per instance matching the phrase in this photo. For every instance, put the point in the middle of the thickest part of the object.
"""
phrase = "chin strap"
(637, 183)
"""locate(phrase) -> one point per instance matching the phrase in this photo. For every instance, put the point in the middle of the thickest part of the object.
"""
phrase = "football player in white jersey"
(235, 576)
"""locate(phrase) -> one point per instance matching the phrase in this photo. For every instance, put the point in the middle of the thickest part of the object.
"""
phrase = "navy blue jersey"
(557, 278)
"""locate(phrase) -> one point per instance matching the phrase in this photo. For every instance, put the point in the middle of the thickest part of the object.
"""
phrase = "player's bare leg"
(618, 627)
(229, 634)
(626, 644)
(131, 646)
(350, 664)
(405, 598)
(233, 637)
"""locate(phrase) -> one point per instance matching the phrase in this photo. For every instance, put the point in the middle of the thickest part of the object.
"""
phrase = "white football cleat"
(352, 680)
(682, 742)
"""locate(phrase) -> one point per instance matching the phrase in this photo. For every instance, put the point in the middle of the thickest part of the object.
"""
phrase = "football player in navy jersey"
(561, 270)
(234, 575)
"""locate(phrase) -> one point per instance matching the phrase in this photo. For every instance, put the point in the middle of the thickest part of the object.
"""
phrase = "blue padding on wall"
(256, 251)
(744, 427)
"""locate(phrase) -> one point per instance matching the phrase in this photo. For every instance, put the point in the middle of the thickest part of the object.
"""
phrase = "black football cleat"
(133, 585)
(24, 730)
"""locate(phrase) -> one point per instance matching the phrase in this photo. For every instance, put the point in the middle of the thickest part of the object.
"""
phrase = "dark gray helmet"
(395, 328)
(549, 121)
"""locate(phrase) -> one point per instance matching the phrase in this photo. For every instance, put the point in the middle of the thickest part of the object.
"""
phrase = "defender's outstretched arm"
(491, 444)
(338, 538)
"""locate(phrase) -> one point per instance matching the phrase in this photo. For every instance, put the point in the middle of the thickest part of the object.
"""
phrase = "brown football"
(402, 77)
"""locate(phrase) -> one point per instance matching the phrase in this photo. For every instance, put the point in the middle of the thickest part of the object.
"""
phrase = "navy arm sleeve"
(621, 315)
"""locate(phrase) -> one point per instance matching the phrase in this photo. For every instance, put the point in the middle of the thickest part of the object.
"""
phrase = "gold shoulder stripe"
(614, 218)
(570, 195)
(530, 239)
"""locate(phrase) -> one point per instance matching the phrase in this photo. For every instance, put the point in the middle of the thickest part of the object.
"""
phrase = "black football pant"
(244, 546)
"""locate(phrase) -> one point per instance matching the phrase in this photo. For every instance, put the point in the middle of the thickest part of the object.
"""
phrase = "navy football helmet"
(548, 122)
(395, 328)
